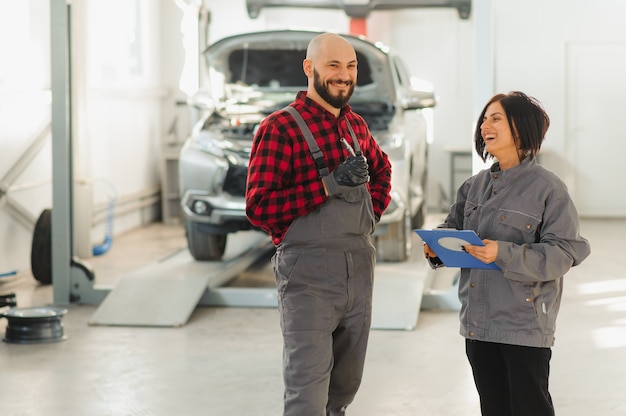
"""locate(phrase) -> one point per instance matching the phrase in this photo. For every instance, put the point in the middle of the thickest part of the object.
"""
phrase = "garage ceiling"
(359, 8)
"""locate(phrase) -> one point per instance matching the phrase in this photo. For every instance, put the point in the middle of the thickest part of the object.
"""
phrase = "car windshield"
(277, 68)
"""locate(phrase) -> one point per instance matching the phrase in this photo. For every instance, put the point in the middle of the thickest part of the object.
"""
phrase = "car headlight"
(212, 142)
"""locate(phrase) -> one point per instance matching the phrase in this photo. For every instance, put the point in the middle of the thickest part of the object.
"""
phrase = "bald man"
(320, 199)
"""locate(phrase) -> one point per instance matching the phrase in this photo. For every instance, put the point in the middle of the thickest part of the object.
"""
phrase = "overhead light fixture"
(359, 8)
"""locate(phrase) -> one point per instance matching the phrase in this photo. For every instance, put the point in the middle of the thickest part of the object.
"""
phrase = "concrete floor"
(227, 361)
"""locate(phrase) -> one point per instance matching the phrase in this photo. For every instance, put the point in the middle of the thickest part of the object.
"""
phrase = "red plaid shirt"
(283, 182)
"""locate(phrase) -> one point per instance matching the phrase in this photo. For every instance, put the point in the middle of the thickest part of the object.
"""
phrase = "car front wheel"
(204, 246)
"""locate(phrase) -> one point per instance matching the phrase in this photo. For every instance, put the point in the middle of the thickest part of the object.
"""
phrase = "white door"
(596, 131)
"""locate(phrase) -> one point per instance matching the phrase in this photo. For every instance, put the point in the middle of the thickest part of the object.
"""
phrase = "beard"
(337, 101)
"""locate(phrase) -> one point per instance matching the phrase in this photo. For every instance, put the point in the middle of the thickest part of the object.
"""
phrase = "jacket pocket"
(521, 227)
(511, 307)
(546, 298)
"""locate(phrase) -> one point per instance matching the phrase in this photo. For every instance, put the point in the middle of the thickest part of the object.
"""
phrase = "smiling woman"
(530, 229)
(498, 138)
(513, 134)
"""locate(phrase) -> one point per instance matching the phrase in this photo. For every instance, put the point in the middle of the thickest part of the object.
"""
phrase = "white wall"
(117, 99)
(438, 46)
(127, 95)
(531, 48)
(121, 123)
(24, 113)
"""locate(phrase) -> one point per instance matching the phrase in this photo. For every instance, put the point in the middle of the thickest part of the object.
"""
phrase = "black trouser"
(511, 380)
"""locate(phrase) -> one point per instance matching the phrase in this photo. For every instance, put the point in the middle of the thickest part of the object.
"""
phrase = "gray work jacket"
(528, 210)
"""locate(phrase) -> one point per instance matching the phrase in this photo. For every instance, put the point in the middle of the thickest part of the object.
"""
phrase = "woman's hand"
(486, 253)
(428, 252)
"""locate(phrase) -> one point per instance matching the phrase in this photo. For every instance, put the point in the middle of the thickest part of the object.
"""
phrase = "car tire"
(395, 244)
(41, 249)
(204, 246)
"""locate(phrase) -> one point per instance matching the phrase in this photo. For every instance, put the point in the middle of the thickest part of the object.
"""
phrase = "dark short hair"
(528, 120)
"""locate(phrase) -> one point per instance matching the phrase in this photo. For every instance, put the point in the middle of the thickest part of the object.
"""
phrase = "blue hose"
(108, 237)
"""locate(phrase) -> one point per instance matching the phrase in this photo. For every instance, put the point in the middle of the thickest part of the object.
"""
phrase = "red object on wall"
(358, 26)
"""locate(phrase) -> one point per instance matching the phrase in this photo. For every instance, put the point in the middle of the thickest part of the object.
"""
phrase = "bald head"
(331, 67)
(326, 42)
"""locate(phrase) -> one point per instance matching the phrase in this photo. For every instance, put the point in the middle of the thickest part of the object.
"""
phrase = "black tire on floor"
(41, 249)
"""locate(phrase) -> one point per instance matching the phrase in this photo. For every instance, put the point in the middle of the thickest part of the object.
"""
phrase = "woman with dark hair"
(530, 229)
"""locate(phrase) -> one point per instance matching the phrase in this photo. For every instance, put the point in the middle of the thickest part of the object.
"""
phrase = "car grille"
(235, 182)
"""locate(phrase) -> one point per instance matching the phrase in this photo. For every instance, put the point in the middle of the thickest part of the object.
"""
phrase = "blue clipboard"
(447, 243)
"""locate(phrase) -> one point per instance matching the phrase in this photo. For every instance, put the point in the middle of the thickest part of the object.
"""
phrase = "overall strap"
(318, 156)
(355, 142)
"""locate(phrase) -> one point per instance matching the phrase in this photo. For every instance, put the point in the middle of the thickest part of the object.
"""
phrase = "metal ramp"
(165, 294)
(397, 299)
(402, 290)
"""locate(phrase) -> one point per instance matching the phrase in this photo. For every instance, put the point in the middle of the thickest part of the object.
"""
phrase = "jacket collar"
(514, 173)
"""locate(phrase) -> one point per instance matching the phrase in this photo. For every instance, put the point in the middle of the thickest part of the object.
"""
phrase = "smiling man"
(329, 53)
(320, 202)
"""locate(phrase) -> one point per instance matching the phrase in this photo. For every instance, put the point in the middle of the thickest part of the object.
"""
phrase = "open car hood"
(264, 70)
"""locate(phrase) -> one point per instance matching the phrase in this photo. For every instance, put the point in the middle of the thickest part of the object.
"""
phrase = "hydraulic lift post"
(72, 280)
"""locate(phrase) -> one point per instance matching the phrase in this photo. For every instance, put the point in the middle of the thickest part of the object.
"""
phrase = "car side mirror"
(421, 95)
(420, 99)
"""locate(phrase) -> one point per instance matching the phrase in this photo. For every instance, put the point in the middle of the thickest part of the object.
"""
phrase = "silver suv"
(251, 75)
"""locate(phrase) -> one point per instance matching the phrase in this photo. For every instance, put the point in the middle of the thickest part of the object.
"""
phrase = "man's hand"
(351, 172)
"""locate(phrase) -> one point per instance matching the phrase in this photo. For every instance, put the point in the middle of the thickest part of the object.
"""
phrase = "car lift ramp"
(166, 293)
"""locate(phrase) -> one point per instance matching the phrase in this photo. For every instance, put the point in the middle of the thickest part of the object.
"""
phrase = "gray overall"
(324, 269)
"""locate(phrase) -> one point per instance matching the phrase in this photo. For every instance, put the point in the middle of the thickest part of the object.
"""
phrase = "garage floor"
(227, 361)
